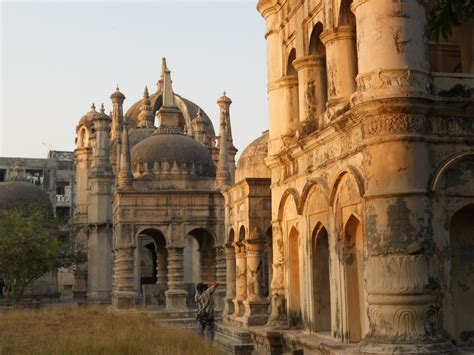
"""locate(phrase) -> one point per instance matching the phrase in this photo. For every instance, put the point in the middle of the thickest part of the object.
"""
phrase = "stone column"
(400, 270)
(161, 266)
(312, 88)
(230, 279)
(256, 304)
(341, 63)
(176, 293)
(123, 295)
(278, 303)
(220, 272)
(161, 273)
(123, 290)
(241, 279)
(285, 116)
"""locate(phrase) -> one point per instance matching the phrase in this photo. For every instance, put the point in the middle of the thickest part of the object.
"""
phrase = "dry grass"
(93, 331)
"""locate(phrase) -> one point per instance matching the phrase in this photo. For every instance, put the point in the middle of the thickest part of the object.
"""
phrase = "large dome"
(251, 162)
(188, 109)
(162, 153)
(19, 194)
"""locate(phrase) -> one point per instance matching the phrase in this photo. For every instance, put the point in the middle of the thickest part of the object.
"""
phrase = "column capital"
(287, 81)
(338, 33)
(309, 61)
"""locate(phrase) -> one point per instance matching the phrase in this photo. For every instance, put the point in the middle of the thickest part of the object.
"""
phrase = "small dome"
(89, 117)
(17, 194)
(164, 151)
(251, 162)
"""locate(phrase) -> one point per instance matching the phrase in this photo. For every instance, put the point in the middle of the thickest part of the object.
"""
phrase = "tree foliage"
(32, 243)
(447, 13)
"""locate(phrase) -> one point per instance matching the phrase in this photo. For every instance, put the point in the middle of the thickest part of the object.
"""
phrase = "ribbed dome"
(187, 108)
(164, 152)
(251, 162)
(17, 194)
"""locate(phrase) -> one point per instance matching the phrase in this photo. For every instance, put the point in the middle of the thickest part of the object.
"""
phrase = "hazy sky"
(59, 57)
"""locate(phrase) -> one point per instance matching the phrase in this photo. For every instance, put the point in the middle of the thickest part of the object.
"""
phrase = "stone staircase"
(233, 340)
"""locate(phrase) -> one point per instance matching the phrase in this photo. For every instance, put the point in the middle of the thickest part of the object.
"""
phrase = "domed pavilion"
(149, 200)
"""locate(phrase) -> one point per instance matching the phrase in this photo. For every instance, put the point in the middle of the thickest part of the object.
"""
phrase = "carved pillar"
(256, 304)
(341, 63)
(161, 272)
(176, 293)
(221, 277)
(230, 279)
(278, 302)
(395, 61)
(284, 93)
(161, 266)
(241, 278)
(123, 292)
(312, 88)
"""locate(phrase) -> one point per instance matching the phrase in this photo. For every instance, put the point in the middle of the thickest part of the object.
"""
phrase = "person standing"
(205, 303)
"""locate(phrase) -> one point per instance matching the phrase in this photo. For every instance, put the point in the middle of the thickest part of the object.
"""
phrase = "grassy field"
(93, 331)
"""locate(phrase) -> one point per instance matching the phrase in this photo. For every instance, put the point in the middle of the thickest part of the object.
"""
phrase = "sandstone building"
(361, 195)
(149, 206)
(345, 228)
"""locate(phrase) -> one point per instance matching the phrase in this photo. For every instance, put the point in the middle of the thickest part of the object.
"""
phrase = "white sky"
(59, 57)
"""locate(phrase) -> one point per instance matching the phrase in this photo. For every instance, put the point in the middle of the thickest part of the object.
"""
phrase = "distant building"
(54, 174)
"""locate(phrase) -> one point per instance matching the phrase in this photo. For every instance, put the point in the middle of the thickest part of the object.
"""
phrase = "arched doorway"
(354, 276)
(321, 283)
(319, 75)
(199, 261)
(151, 267)
(267, 258)
(462, 275)
(294, 278)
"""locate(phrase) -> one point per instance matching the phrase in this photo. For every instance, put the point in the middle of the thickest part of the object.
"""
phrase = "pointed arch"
(296, 199)
(444, 166)
(353, 252)
(290, 69)
(354, 172)
(308, 188)
(231, 237)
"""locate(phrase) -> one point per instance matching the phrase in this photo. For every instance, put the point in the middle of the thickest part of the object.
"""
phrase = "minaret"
(160, 82)
(168, 115)
(224, 105)
(145, 118)
(99, 258)
(117, 113)
(199, 128)
(101, 162)
(124, 180)
(223, 178)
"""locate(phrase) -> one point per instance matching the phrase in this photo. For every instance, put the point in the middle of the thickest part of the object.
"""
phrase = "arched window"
(318, 83)
(295, 284)
(321, 284)
(355, 295)
(290, 69)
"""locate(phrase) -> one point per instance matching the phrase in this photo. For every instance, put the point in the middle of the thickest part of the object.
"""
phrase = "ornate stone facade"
(370, 159)
(149, 201)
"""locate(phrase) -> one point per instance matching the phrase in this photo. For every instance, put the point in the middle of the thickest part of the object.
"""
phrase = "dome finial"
(93, 107)
(117, 88)
(145, 93)
(102, 108)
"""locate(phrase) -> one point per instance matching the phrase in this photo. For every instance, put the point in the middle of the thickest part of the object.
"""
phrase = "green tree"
(443, 15)
(31, 245)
